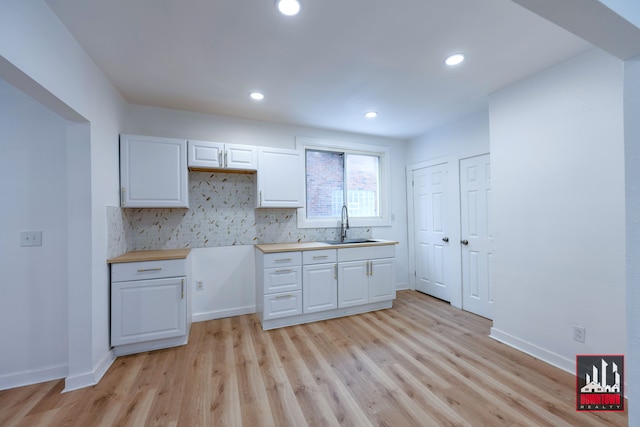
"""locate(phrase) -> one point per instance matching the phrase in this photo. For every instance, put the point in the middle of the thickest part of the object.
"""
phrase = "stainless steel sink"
(348, 241)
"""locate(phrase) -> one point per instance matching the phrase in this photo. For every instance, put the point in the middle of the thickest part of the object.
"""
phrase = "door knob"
(464, 242)
(445, 239)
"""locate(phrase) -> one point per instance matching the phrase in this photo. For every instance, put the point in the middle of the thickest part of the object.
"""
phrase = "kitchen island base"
(308, 282)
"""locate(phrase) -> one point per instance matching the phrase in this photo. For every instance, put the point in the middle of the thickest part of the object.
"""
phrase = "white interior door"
(430, 229)
(476, 239)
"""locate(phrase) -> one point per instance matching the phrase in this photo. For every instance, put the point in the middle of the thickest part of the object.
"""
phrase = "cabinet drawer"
(323, 256)
(282, 305)
(142, 270)
(282, 279)
(282, 259)
(365, 253)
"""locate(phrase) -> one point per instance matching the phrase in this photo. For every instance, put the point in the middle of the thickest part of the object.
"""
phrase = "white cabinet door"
(145, 310)
(153, 172)
(205, 154)
(217, 155)
(241, 157)
(280, 178)
(320, 288)
(381, 280)
(353, 283)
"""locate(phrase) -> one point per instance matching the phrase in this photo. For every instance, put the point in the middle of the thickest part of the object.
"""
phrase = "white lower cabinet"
(319, 281)
(279, 285)
(149, 305)
(145, 310)
(366, 275)
(309, 285)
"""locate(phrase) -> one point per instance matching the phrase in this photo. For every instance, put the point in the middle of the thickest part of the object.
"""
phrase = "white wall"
(632, 180)
(46, 62)
(449, 144)
(558, 210)
(228, 282)
(464, 138)
(33, 306)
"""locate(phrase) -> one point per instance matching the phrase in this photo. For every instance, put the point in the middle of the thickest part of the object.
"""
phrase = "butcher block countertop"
(136, 256)
(313, 246)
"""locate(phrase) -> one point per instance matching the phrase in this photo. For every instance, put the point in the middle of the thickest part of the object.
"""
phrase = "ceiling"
(323, 68)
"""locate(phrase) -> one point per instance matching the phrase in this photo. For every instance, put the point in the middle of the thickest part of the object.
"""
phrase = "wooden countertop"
(311, 246)
(135, 256)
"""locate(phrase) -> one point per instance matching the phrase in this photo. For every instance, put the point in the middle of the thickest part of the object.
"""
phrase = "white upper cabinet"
(216, 155)
(153, 172)
(280, 178)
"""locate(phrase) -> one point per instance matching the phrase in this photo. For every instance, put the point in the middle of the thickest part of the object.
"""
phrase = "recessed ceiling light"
(257, 96)
(454, 59)
(288, 7)
(371, 114)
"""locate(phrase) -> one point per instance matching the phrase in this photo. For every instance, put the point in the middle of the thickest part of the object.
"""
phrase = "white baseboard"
(403, 287)
(568, 365)
(88, 379)
(24, 378)
(221, 314)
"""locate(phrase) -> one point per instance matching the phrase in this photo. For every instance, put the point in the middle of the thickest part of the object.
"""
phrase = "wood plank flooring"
(421, 363)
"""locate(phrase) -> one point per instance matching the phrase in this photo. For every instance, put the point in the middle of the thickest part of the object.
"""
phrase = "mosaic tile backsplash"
(222, 213)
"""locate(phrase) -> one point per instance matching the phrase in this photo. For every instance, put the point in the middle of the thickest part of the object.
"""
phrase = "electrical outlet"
(199, 285)
(31, 238)
(579, 333)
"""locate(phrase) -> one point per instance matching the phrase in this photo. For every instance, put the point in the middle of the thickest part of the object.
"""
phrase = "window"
(338, 175)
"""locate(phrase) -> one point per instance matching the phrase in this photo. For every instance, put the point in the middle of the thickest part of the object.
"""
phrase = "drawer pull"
(284, 260)
(320, 256)
(287, 270)
(284, 296)
(182, 292)
(145, 270)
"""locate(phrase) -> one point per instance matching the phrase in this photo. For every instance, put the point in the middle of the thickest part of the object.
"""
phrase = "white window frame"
(384, 155)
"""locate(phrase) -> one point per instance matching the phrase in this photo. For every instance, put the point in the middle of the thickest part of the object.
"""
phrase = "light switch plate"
(31, 238)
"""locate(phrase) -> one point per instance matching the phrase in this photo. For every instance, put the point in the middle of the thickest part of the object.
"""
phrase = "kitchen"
(80, 348)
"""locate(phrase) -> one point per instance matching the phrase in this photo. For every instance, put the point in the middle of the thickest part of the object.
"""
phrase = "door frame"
(454, 212)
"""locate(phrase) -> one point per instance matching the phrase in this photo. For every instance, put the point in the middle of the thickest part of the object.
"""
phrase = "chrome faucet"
(344, 223)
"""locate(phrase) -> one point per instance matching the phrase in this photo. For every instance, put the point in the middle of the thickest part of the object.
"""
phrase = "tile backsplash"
(222, 213)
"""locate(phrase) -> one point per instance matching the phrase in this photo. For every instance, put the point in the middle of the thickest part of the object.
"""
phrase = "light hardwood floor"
(421, 363)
